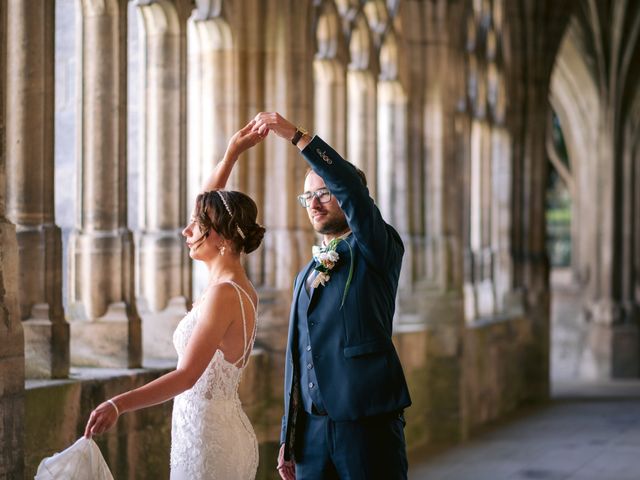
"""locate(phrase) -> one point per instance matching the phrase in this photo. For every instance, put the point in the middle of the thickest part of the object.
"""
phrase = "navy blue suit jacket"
(357, 368)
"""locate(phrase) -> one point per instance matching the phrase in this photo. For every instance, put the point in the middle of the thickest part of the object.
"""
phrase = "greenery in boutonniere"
(326, 258)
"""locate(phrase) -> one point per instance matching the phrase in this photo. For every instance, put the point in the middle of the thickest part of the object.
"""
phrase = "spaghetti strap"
(246, 346)
(245, 292)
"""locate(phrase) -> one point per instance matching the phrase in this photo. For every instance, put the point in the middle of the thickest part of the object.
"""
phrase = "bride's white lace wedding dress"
(211, 436)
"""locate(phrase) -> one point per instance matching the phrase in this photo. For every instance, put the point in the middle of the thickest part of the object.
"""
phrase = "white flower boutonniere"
(326, 258)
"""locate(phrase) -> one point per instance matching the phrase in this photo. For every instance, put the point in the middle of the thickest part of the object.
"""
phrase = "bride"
(211, 437)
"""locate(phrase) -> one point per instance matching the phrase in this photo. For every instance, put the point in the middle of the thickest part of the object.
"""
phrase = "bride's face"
(201, 246)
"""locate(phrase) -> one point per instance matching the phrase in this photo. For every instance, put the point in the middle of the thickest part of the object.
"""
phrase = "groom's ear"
(309, 170)
(363, 177)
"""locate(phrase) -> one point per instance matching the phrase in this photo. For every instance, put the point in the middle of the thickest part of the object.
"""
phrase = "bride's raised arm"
(205, 338)
(240, 142)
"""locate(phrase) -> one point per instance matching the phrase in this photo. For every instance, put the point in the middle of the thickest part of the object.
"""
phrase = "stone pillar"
(289, 90)
(30, 205)
(105, 327)
(250, 56)
(392, 149)
(393, 189)
(330, 79)
(163, 270)
(11, 333)
(330, 95)
(439, 293)
(410, 14)
(361, 124)
(613, 340)
(212, 104)
(362, 103)
(501, 219)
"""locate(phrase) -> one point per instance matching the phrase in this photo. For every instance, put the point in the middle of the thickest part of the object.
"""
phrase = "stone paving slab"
(588, 432)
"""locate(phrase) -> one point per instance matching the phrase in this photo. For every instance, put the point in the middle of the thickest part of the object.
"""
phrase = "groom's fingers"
(247, 128)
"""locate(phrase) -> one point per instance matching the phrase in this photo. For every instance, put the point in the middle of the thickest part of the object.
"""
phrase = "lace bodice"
(211, 437)
(220, 379)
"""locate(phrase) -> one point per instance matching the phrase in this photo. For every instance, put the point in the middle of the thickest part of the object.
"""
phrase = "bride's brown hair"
(233, 223)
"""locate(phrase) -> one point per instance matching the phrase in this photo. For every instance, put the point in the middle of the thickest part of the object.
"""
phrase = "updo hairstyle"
(212, 214)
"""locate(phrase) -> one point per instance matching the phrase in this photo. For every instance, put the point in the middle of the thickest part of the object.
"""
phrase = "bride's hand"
(101, 419)
(244, 139)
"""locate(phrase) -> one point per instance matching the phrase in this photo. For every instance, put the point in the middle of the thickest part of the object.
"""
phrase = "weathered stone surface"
(448, 103)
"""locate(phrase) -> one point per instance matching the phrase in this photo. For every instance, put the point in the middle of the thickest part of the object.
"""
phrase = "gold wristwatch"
(298, 135)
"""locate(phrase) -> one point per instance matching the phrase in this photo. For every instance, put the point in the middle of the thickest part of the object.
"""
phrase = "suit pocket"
(373, 346)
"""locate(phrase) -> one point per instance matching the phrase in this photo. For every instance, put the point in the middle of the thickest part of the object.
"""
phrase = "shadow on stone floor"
(588, 431)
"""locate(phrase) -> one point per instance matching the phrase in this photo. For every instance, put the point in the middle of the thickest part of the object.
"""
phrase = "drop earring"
(222, 249)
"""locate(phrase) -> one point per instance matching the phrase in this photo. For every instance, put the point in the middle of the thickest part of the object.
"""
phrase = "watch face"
(298, 135)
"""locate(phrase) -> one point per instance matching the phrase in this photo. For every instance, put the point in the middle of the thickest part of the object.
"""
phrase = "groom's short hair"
(363, 177)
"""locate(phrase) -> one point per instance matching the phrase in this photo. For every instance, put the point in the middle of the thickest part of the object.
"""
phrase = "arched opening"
(210, 108)
(157, 129)
(593, 93)
(393, 169)
(329, 74)
(361, 103)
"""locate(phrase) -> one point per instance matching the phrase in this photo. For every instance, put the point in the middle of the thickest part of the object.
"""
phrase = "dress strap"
(245, 292)
(247, 346)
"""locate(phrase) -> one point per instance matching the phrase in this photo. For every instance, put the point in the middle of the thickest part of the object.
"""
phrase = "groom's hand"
(273, 121)
(286, 468)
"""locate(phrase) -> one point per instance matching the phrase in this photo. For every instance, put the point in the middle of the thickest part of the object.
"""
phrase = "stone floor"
(587, 432)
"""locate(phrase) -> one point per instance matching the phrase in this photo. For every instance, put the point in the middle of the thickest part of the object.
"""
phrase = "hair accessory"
(113, 404)
(226, 205)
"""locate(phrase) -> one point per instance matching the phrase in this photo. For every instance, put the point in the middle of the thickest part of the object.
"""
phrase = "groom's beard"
(334, 225)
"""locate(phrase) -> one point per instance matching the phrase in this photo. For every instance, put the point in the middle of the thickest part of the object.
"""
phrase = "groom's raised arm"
(379, 242)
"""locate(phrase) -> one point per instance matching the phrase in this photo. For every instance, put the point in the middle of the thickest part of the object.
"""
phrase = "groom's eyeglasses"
(323, 195)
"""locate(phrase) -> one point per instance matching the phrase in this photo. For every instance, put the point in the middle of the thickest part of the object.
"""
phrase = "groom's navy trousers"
(345, 390)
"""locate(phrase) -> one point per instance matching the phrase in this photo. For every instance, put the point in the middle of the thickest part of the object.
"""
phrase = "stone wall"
(495, 356)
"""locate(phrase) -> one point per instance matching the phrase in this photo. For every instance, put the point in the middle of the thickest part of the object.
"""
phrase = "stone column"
(289, 90)
(330, 95)
(361, 125)
(30, 205)
(105, 327)
(11, 333)
(393, 190)
(501, 219)
(250, 55)
(602, 146)
(163, 270)
(212, 102)
(330, 79)
(362, 103)
(440, 292)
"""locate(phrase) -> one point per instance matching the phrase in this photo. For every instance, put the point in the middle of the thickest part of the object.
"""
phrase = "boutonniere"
(326, 258)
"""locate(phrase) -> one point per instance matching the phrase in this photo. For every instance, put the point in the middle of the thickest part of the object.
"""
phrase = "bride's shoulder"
(218, 298)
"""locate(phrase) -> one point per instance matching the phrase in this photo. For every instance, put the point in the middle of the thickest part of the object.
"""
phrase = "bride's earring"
(222, 249)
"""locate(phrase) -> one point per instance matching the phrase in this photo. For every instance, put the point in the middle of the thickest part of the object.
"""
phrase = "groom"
(344, 387)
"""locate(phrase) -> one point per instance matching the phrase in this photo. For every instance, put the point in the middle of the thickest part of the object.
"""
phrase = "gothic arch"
(211, 102)
(393, 168)
(361, 101)
(378, 17)
(330, 76)
(594, 91)
(163, 268)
